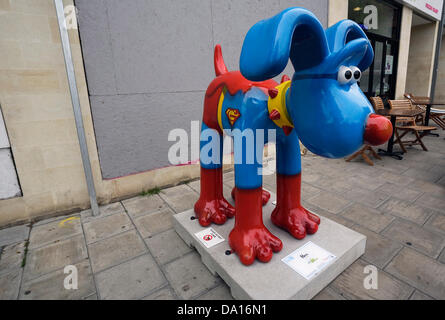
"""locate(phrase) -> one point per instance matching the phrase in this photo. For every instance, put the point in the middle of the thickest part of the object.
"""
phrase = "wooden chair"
(377, 103)
(365, 157)
(421, 102)
(409, 126)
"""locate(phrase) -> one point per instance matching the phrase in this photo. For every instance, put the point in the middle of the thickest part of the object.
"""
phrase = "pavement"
(131, 251)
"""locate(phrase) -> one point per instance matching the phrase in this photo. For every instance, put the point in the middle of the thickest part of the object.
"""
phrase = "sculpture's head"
(330, 113)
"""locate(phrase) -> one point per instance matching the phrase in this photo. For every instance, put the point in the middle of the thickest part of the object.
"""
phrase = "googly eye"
(344, 75)
(356, 73)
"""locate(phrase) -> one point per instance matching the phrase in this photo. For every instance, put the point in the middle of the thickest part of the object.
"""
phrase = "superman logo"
(232, 115)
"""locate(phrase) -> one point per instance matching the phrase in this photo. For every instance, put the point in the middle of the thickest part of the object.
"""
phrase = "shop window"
(374, 17)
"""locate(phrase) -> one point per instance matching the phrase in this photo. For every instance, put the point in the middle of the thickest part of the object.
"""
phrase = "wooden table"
(427, 102)
(394, 113)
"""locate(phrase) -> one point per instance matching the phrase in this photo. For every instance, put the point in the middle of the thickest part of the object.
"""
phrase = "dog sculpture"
(322, 106)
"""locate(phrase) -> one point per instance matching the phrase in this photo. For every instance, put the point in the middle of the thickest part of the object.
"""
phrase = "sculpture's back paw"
(215, 211)
(297, 221)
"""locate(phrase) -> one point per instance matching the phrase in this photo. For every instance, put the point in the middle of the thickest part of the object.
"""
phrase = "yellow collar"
(278, 104)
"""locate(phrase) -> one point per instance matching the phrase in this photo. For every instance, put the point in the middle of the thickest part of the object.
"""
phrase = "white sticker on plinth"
(309, 260)
(209, 237)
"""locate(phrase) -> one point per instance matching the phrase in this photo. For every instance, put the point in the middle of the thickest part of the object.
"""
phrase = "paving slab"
(43, 260)
(434, 202)
(133, 279)
(329, 202)
(368, 182)
(162, 294)
(112, 251)
(143, 205)
(400, 191)
(442, 256)
(11, 257)
(167, 246)
(221, 292)
(55, 231)
(51, 286)
(282, 281)
(428, 188)
(368, 198)
(420, 174)
(180, 198)
(338, 185)
(396, 179)
(417, 295)
(189, 277)
(350, 284)
(328, 294)
(403, 209)
(334, 217)
(308, 191)
(10, 284)
(420, 271)
(367, 217)
(107, 226)
(410, 234)
(104, 211)
(436, 223)
(153, 223)
(13, 235)
(379, 249)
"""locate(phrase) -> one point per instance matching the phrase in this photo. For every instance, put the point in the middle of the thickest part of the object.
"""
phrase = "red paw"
(297, 221)
(265, 196)
(214, 211)
(254, 243)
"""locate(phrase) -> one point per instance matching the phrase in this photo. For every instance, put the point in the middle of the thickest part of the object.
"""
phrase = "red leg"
(289, 214)
(265, 196)
(249, 238)
(211, 206)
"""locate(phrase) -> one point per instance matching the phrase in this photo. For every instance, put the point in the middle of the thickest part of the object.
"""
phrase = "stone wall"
(38, 114)
(421, 59)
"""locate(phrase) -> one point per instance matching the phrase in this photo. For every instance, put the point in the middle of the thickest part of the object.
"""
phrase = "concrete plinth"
(275, 279)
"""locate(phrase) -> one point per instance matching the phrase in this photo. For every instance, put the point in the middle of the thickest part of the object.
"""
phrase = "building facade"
(142, 69)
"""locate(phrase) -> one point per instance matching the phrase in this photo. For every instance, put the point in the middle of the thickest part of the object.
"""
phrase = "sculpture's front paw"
(297, 221)
(214, 211)
(254, 243)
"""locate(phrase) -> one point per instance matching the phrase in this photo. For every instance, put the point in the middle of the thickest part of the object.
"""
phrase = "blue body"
(329, 116)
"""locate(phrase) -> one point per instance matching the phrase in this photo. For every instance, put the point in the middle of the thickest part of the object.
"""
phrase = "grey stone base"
(275, 279)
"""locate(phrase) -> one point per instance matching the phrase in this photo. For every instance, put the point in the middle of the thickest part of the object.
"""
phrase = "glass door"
(380, 78)
(381, 22)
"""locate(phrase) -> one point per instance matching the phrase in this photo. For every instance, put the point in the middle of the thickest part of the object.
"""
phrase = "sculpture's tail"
(220, 66)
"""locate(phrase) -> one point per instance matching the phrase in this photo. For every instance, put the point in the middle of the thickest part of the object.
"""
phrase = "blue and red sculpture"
(322, 106)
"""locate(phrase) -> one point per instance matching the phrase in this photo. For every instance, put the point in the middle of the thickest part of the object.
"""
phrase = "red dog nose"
(378, 130)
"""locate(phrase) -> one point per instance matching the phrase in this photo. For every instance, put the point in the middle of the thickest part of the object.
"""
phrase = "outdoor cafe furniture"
(408, 112)
(437, 115)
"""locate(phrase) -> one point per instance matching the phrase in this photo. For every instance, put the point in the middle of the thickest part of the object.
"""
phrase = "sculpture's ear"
(294, 33)
(342, 33)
